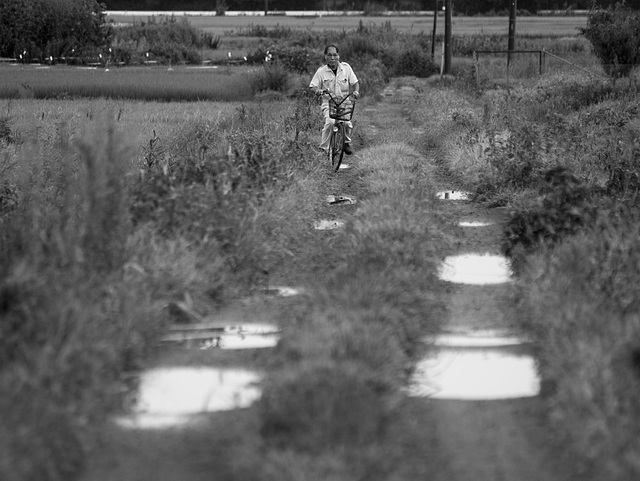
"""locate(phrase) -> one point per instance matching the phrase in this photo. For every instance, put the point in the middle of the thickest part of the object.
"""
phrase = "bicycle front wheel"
(340, 140)
(334, 145)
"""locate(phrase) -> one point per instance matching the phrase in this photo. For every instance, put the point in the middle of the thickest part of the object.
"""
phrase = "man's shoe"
(347, 149)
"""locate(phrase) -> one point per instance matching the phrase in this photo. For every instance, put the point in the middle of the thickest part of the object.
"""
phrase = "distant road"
(416, 22)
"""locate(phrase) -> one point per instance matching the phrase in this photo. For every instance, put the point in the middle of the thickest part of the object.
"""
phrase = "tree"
(45, 28)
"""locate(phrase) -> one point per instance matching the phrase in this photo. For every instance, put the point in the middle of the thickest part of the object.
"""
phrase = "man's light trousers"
(328, 127)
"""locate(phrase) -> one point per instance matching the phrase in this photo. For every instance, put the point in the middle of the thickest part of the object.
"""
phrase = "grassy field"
(152, 83)
(526, 26)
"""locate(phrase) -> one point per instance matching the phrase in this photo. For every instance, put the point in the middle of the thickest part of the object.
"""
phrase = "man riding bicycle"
(337, 78)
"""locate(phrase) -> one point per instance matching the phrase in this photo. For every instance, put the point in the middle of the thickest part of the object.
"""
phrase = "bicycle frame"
(340, 114)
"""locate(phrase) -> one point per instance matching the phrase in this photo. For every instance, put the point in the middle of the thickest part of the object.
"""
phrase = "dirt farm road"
(465, 440)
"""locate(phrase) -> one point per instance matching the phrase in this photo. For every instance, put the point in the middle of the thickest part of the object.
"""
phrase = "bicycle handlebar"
(338, 100)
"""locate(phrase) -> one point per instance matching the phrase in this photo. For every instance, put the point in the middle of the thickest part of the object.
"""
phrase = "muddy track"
(461, 441)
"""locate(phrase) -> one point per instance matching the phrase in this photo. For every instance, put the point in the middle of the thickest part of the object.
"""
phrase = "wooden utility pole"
(447, 35)
(435, 26)
(266, 7)
(513, 7)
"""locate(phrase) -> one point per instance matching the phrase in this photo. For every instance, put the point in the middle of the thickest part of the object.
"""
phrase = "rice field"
(528, 26)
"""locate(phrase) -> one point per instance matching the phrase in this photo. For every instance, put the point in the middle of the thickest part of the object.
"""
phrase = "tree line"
(461, 7)
(51, 28)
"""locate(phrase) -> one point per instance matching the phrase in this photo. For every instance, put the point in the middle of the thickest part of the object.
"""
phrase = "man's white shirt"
(338, 83)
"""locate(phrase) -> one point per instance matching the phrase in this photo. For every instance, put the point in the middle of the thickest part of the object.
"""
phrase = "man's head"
(331, 56)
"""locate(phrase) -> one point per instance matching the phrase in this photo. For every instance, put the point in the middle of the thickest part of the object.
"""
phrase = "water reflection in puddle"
(215, 336)
(282, 291)
(453, 195)
(172, 396)
(240, 342)
(476, 269)
(474, 224)
(478, 366)
(340, 200)
(475, 374)
(328, 224)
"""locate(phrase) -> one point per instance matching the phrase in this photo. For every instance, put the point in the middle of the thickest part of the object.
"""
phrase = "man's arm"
(316, 84)
(355, 90)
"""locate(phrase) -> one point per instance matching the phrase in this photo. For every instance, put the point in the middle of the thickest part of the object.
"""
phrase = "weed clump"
(566, 208)
(415, 62)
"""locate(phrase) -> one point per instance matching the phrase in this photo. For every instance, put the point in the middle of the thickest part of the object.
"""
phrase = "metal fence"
(521, 64)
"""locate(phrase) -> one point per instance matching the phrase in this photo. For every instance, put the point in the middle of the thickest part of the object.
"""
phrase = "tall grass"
(72, 318)
(98, 237)
(585, 318)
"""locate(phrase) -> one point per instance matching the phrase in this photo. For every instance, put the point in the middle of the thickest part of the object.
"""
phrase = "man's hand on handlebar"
(326, 93)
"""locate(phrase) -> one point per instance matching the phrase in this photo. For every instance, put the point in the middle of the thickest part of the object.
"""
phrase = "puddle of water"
(453, 195)
(172, 396)
(255, 329)
(475, 374)
(476, 269)
(328, 224)
(218, 336)
(249, 328)
(282, 291)
(474, 224)
(251, 341)
(340, 199)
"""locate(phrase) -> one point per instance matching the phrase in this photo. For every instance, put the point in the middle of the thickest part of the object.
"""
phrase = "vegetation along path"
(339, 276)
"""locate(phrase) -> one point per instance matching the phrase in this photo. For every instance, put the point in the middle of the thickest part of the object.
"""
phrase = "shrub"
(415, 62)
(372, 77)
(359, 46)
(169, 40)
(614, 36)
(566, 208)
(272, 77)
(293, 58)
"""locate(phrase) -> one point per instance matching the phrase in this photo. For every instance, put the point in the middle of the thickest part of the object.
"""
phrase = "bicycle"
(341, 110)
